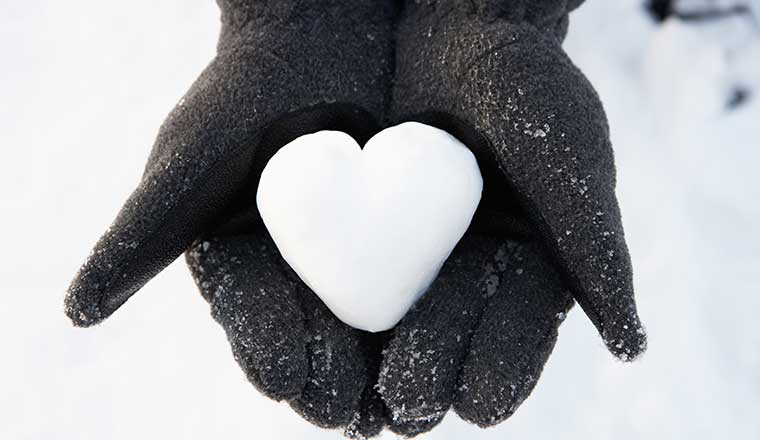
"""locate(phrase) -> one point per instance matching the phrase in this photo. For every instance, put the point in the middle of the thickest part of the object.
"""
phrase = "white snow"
(84, 87)
(368, 230)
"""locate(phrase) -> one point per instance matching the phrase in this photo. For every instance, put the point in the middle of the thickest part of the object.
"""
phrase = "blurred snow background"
(84, 86)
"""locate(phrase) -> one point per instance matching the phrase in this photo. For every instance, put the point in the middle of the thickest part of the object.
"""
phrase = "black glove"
(548, 229)
(282, 69)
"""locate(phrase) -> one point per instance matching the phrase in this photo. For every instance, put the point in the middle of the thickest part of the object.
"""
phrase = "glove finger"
(422, 361)
(257, 306)
(415, 427)
(337, 366)
(371, 417)
(195, 165)
(541, 126)
(514, 338)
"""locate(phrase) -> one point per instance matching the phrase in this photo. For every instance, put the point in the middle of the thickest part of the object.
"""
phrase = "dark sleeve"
(546, 15)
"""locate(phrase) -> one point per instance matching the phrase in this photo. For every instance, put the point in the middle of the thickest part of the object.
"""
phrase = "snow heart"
(368, 229)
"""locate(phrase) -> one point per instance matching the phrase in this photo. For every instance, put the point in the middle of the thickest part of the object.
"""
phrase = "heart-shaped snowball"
(368, 229)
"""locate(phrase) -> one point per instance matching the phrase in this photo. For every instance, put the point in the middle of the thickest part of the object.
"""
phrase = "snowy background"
(84, 86)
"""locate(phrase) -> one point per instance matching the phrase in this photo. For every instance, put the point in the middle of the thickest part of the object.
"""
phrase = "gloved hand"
(282, 69)
(493, 73)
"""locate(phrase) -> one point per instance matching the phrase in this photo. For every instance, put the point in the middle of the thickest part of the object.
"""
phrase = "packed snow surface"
(368, 229)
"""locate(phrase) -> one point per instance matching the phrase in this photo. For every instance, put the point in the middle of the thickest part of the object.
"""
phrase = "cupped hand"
(282, 70)
(548, 231)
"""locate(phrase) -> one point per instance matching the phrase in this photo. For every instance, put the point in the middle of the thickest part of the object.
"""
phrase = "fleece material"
(547, 233)
(493, 73)
(478, 340)
(282, 69)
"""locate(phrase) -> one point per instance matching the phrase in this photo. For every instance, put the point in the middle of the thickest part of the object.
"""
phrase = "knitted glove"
(282, 69)
(548, 230)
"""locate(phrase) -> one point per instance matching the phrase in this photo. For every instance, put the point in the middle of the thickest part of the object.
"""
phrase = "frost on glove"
(282, 69)
(494, 74)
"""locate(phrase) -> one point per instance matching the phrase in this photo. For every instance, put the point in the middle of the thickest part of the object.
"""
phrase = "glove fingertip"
(365, 428)
(481, 416)
(81, 305)
(414, 428)
(626, 341)
(279, 390)
(369, 419)
(279, 380)
(82, 317)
